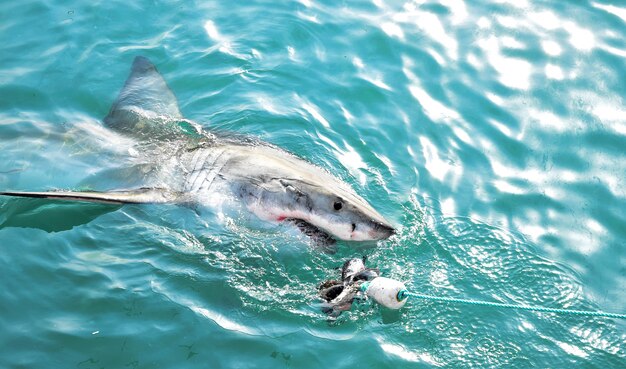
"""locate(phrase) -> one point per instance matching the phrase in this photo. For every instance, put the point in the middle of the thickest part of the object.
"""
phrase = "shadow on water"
(50, 216)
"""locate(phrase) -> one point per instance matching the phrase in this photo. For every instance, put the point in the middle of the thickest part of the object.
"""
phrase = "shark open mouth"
(322, 240)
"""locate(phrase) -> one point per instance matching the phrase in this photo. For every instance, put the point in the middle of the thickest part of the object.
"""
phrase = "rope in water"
(404, 294)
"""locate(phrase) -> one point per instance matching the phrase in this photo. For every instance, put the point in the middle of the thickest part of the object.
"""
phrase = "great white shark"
(272, 183)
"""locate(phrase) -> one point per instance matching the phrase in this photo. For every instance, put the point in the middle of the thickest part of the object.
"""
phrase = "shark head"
(336, 210)
(282, 187)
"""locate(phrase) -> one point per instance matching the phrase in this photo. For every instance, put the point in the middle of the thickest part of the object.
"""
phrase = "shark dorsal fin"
(145, 96)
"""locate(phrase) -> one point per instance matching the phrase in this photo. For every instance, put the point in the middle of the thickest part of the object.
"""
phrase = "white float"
(385, 291)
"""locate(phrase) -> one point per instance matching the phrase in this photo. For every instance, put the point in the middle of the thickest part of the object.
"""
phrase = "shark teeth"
(322, 240)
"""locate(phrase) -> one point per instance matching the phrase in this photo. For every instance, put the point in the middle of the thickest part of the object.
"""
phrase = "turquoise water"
(492, 134)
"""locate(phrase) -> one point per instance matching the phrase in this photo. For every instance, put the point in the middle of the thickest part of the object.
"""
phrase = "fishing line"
(394, 294)
(403, 294)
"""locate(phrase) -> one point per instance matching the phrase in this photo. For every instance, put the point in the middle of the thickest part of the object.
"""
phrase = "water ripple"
(492, 134)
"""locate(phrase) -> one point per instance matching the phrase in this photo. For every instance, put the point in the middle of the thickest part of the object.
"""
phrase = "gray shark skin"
(271, 183)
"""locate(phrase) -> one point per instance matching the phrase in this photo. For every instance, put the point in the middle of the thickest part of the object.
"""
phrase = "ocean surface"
(492, 134)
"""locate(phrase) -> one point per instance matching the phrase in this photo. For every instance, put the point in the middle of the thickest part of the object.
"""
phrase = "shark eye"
(337, 205)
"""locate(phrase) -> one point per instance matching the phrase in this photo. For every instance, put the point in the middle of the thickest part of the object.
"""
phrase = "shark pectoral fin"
(137, 196)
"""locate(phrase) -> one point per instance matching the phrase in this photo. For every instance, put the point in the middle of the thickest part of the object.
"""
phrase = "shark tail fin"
(137, 196)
